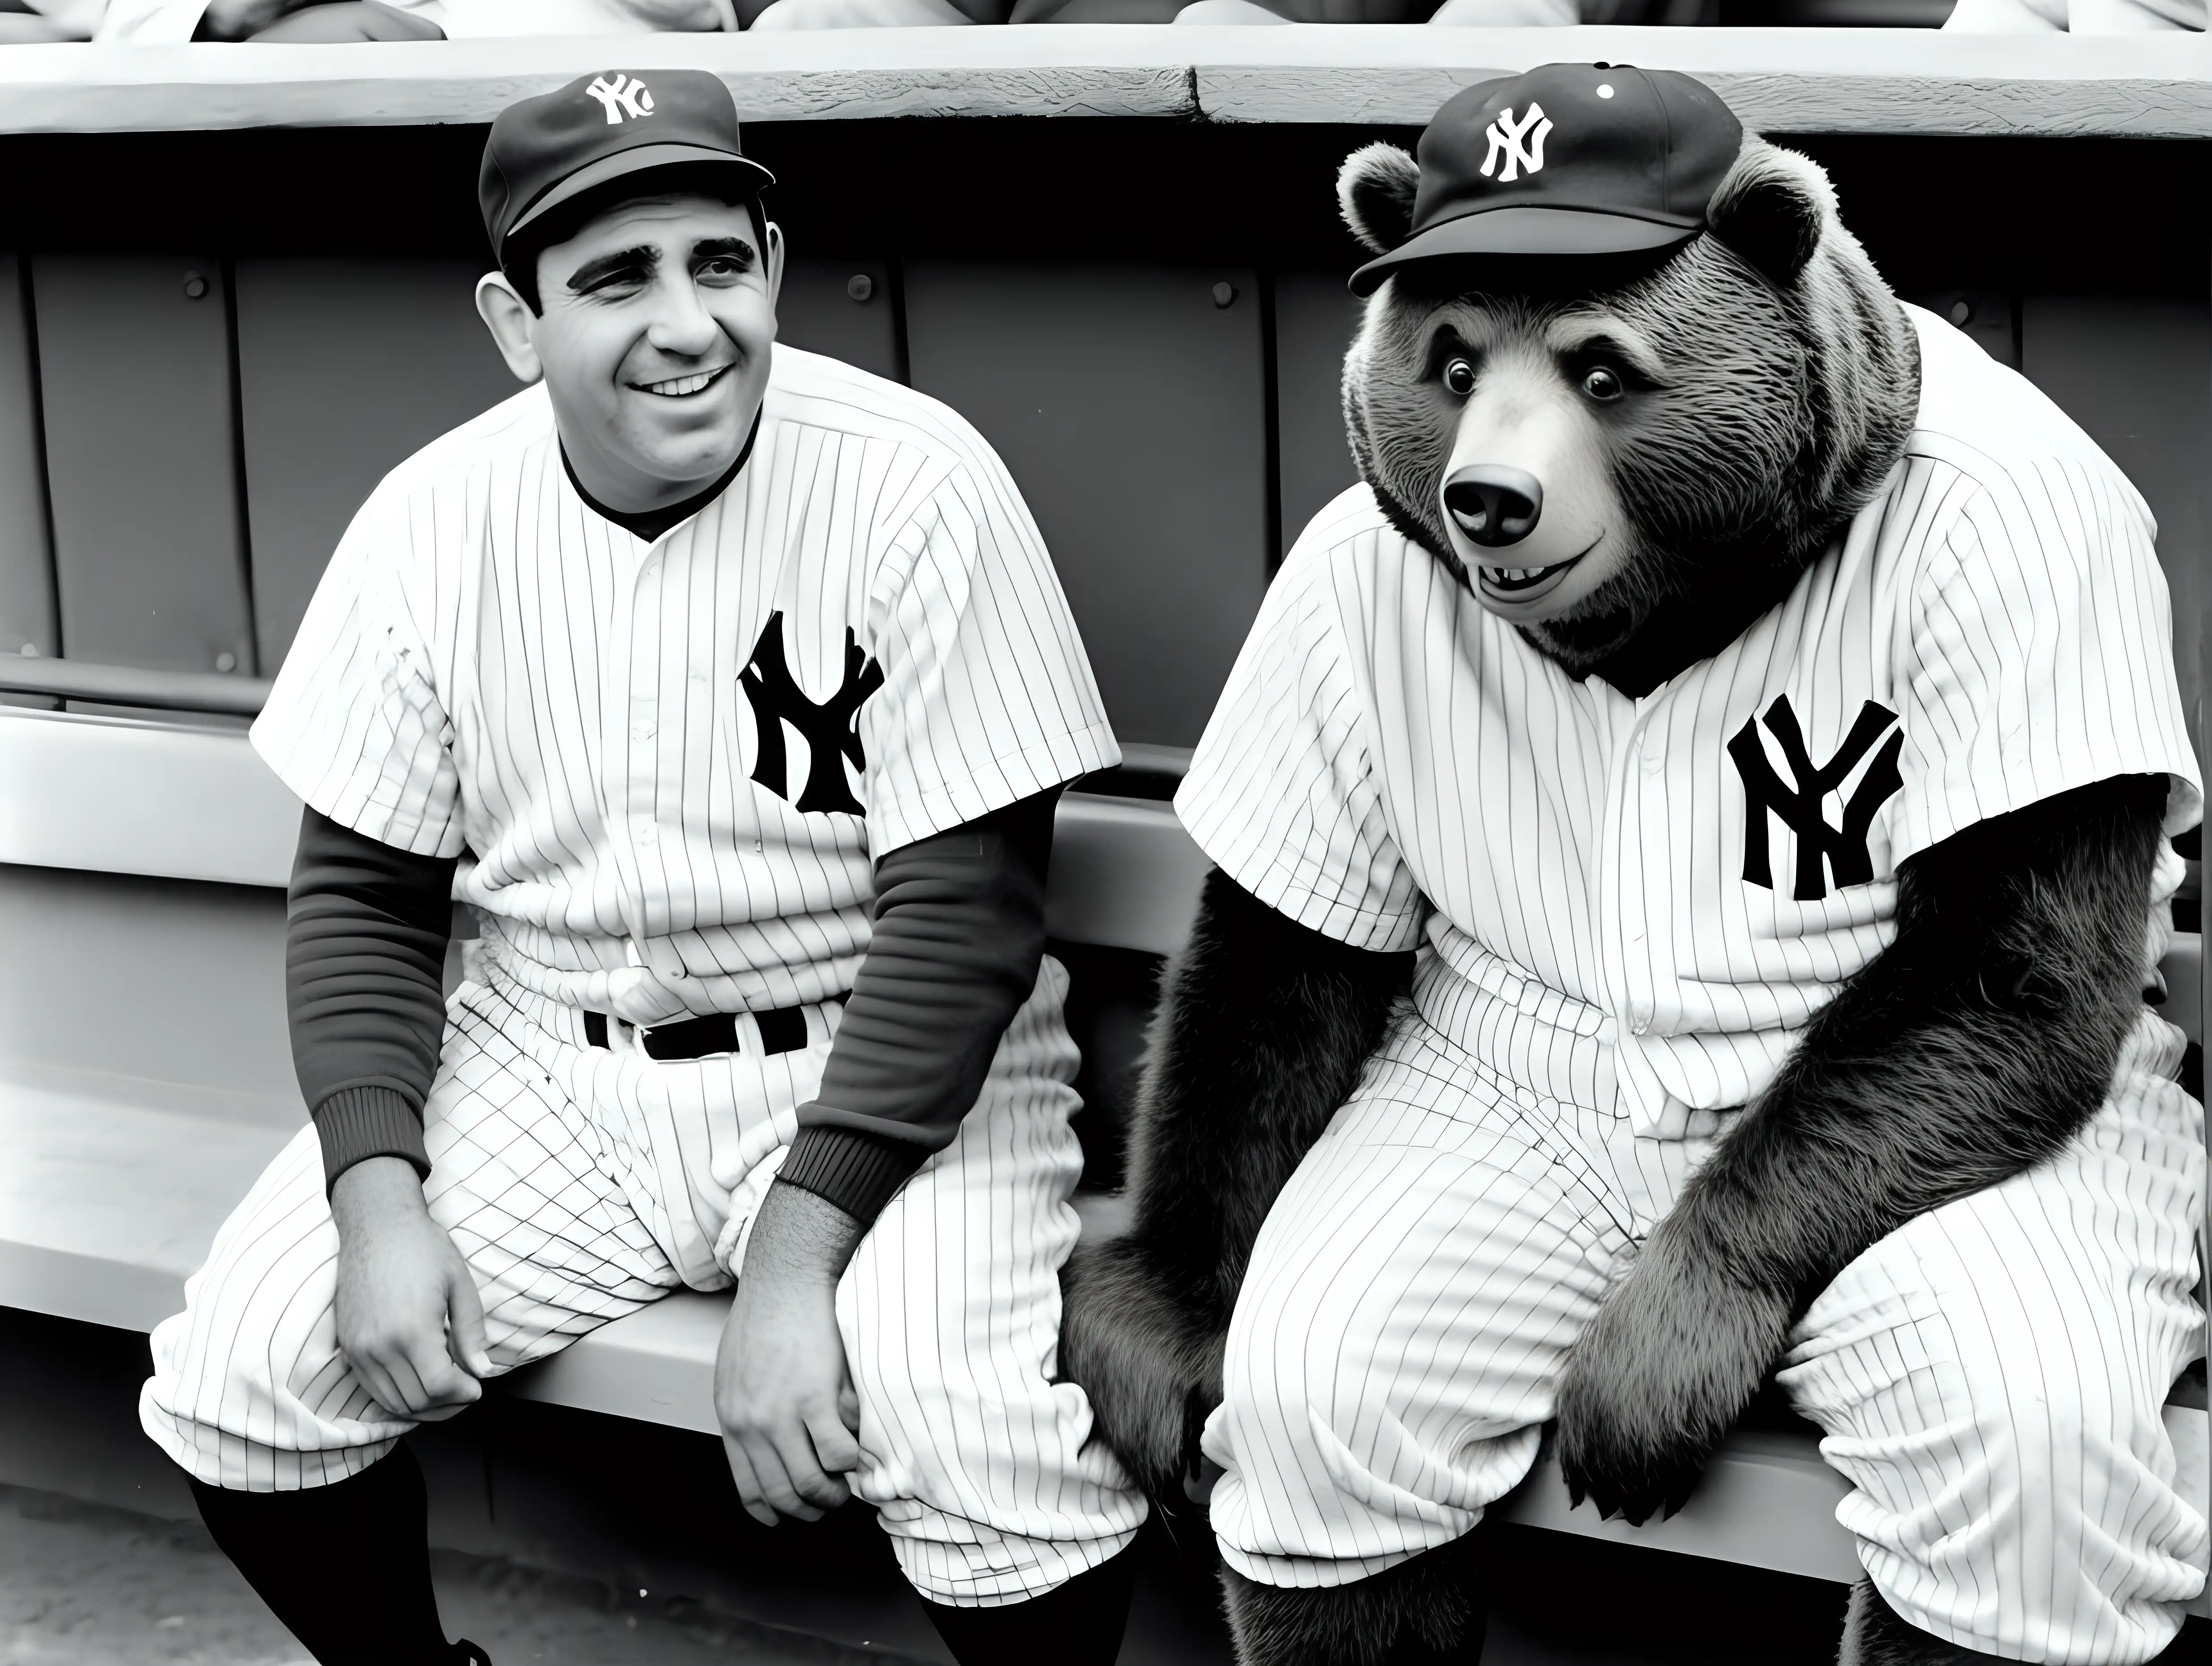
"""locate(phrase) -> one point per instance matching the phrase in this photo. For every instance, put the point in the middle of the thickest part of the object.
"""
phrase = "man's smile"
(685, 387)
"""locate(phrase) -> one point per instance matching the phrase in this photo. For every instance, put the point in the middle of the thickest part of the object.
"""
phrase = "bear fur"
(1973, 1047)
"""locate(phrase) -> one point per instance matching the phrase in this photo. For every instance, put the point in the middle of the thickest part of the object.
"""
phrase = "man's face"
(655, 340)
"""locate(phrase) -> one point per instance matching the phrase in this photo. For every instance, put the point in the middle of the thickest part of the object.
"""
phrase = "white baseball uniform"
(1626, 911)
(667, 769)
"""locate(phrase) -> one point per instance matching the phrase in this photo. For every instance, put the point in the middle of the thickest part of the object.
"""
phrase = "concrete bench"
(145, 1079)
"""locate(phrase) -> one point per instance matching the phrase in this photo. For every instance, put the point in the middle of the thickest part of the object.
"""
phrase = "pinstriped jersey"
(1646, 901)
(669, 766)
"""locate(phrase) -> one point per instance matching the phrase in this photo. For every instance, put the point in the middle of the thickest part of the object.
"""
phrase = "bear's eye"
(1600, 383)
(1459, 377)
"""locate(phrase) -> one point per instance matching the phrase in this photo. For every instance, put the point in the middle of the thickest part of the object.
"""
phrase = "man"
(670, 666)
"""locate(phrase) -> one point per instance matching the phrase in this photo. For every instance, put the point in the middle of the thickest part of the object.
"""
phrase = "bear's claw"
(1655, 1383)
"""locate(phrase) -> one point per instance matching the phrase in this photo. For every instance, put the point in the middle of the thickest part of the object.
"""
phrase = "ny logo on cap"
(622, 94)
(1521, 153)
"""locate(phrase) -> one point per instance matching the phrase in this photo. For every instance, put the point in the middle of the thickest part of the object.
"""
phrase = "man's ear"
(775, 262)
(508, 317)
(1772, 209)
(1374, 191)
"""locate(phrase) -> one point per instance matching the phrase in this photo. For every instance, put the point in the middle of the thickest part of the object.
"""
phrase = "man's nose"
(1494, 505)
(682, 322)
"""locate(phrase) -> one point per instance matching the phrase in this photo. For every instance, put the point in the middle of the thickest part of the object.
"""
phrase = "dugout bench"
(183, 437)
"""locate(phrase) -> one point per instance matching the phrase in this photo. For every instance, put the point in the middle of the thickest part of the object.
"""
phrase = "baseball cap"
(1568, 159)
(554, 149)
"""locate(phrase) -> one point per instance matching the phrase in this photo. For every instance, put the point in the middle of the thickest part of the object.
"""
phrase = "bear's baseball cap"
(1569, 159)
(554, 149)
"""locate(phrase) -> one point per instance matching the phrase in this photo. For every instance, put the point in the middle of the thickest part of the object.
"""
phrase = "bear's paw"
(1671, 1361)
(1147, 1357)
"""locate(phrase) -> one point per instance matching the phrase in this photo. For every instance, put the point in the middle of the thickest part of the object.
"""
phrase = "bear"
(1691, 841)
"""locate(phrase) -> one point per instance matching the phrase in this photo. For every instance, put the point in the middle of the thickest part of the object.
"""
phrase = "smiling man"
(732, 687)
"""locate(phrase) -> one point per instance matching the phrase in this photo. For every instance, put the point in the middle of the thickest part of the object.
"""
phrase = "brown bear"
(1690, 841)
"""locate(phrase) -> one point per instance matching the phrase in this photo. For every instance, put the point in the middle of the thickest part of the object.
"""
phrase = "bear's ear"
(1772, 209)
(1375, 189)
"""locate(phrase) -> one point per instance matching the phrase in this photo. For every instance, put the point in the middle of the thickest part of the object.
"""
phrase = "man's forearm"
(800, 1240)
(372, 1191)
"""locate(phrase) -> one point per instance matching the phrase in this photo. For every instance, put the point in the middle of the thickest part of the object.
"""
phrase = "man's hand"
(783, 1389)
(409, 1322)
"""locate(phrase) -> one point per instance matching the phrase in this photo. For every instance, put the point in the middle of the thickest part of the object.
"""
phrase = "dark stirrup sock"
(1079, 1624)
(346, 1567)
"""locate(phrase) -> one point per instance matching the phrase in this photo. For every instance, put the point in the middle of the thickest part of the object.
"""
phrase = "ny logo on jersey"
(831, 730)
(620, 97)
(1844, 848)
(1524, 153)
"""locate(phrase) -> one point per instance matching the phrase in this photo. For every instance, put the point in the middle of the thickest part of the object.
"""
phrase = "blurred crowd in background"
(175, 21)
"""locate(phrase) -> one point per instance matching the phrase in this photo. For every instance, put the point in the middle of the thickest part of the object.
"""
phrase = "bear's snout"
(1494, 505)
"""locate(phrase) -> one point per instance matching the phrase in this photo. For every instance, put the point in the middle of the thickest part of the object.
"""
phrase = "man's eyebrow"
(711, 248)
(607, 265)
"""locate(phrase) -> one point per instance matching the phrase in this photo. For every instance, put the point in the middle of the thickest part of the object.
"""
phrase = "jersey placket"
(1634, 904)
(632, 727)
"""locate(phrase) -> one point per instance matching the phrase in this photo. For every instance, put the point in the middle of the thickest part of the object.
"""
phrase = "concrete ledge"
(1803, 81)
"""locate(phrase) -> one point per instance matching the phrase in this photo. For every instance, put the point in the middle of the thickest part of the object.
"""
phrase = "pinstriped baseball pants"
(1989, 1378)
(581, 1184)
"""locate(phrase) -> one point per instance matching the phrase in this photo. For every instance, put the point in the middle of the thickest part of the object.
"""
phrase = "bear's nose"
(1494, 505)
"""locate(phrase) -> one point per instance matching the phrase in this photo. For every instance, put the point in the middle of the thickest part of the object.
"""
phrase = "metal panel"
(1130, 407)
(1316, 318)
(135, 376)
(2137, 375)
(26, 561)
(847, 309)
(345, 369)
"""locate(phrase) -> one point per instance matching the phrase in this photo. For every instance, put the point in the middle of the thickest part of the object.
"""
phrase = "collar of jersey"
(654, 523)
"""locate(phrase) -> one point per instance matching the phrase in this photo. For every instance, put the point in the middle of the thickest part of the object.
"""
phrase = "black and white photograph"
(1253, 833)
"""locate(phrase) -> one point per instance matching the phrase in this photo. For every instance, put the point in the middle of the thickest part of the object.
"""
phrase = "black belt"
(782, 1029)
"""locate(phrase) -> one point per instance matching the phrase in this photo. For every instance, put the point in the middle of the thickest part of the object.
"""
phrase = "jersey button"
(644, 830)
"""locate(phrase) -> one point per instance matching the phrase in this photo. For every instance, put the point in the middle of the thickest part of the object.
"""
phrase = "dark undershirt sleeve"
(959, 935)
(364, 987)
